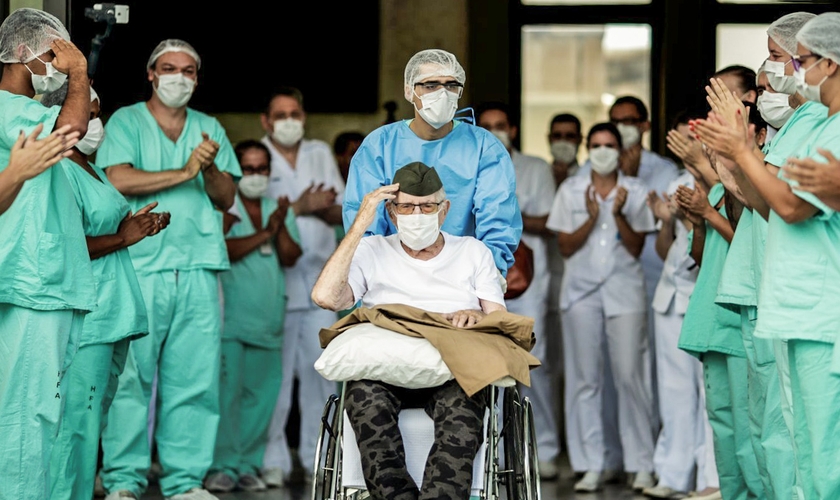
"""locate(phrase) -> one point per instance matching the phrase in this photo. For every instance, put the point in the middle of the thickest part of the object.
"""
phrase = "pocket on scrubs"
(51, 266)
(804, 289)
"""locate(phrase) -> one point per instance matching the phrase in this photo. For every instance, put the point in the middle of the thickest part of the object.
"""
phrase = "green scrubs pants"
(90, 382)
(183, 348)
(250, 382)
(772, 442)
(35, 349)
(726, 405)
(816, 398)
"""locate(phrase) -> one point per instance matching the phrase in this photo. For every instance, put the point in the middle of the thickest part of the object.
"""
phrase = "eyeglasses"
(626, 121)
(798, 60)
(408, 208)
(433, 86)
(265, 169)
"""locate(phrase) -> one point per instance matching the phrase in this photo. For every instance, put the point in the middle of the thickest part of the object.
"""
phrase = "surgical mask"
(630, 135)
(604, 160)
(174, 90)
(93, 138)
(503, 136)
(288, 132)
(438, 108)
(50, 82)
(782, 83)
(808, 91)
(253, 186)
(418, 231)
(564, 151)
(774, 108)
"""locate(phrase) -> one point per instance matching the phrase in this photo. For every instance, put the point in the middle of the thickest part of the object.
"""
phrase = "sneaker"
(219, 482)
(548, 470)
(642, 480)
(662, 491)
(251, 482)
(194, 494)
(591, 482)
(119, 494)
(273, 477)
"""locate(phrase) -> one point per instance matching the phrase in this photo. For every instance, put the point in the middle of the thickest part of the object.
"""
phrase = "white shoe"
(591, 482)
(219, 482)
(711, 496)
(642, 480)
(662, 491)
(120, 494)
(273, 477)
(194, 494)
(250, 482)
(548, 470)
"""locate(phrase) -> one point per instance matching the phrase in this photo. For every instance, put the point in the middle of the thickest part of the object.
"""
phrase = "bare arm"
(632, 241)
(219, 187)
(132, 229)
(330, 215)
(698, 242)
(665, 238)
(571, 243)
(287, 250)
(239, 248)
(332, 290)
(133, 182)
(75, 111)
(535, 225)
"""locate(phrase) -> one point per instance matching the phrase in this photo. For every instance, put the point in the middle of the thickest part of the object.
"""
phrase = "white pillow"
(369, 352)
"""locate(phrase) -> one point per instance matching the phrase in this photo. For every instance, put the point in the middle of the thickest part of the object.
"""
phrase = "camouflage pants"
(372, 408)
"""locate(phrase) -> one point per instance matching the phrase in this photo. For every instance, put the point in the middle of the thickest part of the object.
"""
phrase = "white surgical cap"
(429, 63)
(821, 35)
(173, 45)
(32, 28)
(784, 29)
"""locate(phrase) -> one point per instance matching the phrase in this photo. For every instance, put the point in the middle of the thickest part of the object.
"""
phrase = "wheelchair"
(511, 426)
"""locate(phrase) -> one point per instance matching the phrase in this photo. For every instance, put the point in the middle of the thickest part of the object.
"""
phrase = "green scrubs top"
(44, 262)
(737, 281)
(801, 276)
(795, 132)
(193, 239)
(255, 286)
(121, 312)
(708, 326)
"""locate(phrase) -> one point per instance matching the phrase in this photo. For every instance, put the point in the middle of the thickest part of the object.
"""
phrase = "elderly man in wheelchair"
(443, 287)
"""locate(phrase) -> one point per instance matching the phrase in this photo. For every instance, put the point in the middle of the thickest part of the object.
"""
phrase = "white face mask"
(808, 91)
(776, 77)
(253, 186)
(174, 90)
(50, 82)
(564, 151)
(604, 160)
(418, 231)
(774, 108)
(438, 108)
(288, 132)
(630, 135)
(503, 136)
(93, 138)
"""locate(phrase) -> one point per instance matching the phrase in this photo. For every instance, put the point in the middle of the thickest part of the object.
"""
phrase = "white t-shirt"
(602, 261)
(315, 165)
(462, 273)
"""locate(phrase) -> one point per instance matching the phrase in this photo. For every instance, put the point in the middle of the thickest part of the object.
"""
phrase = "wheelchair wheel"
(532, 465)
(326, 483)
(513, 441)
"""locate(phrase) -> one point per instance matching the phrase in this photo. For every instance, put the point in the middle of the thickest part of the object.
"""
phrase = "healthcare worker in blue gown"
(162, 150)
(91, 380)
(46, 281)
(474, 166)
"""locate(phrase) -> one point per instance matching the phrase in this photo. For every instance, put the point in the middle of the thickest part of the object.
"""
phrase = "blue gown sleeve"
(367, 173)
(498, 220)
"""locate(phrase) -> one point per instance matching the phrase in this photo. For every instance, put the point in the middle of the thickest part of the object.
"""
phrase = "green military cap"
(418, 179)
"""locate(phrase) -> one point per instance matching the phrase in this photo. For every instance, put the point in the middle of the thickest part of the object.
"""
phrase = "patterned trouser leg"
(372, 408)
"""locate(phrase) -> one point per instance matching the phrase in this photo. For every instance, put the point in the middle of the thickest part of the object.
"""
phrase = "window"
(744, 44)
(585, 2)
(579, 69)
